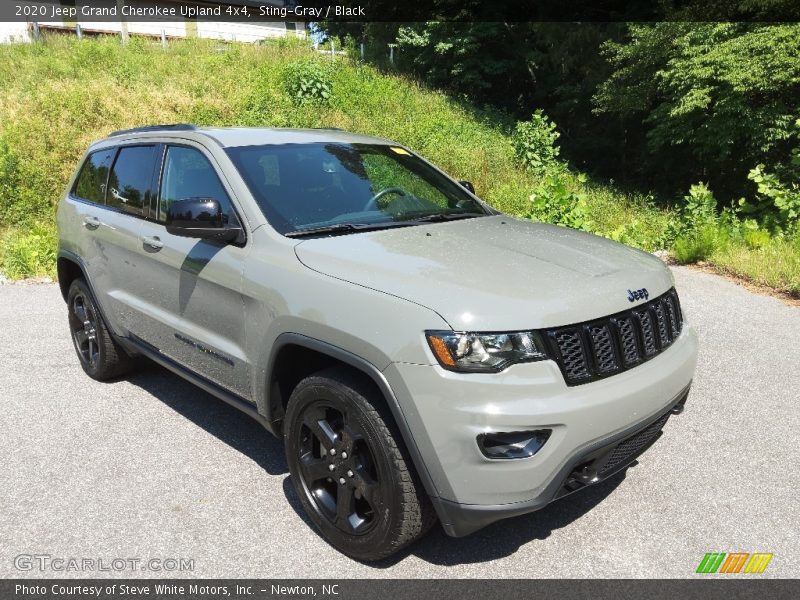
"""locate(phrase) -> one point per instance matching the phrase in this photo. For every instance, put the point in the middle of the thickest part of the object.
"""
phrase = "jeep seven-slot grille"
(589, 351)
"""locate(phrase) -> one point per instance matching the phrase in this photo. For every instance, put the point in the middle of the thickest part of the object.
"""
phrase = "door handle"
(91, 222)
(153, 243)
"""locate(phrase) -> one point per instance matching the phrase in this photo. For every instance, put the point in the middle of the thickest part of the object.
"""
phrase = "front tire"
(348, 467)
(100, 356)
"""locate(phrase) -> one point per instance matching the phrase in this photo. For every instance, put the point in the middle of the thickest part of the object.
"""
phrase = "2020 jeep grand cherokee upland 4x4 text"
(421, 354)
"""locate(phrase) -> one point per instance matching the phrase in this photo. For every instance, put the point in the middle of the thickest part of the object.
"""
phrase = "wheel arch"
(68, 268)
(295, 356)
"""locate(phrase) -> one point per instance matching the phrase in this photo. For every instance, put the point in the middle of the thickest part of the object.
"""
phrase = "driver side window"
(189, 174)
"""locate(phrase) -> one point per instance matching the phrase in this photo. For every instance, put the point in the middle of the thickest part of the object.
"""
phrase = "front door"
(191, 287)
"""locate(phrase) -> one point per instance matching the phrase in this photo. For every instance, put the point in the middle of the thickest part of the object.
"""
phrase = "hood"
(493, 273)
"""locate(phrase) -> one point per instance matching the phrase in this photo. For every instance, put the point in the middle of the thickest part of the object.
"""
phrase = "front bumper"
(446, 411)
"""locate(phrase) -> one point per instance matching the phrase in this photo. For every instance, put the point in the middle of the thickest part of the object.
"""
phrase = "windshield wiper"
(343, 228)
(438, 217)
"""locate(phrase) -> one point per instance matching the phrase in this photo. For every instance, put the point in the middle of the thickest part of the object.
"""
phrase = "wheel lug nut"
(333, 451)
(349, 473)
(331, 467)
(341, 480)
(344, 454)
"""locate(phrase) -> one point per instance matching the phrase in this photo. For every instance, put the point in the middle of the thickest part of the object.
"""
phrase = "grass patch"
(775, 264)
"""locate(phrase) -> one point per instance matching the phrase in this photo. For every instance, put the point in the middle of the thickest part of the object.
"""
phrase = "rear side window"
(130, 182)
(189, 174)
(91, 183)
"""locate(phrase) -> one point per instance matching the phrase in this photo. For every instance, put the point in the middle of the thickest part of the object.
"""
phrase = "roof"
(229, 137)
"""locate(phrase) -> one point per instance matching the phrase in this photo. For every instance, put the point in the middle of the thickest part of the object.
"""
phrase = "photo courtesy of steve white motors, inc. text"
(194, 590)
(183, 11)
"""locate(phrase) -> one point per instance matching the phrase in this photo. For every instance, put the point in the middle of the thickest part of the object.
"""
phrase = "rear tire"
(100, 356)
(349, 469)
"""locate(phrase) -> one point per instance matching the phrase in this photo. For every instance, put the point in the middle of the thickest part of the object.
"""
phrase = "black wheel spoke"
(344, 506)
(322, 430)
(367, 487)
(80, 310)
(349, 437)
(314, 468)
(81, 338)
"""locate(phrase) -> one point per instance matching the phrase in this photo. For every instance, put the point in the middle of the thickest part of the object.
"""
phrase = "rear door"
(128, 195)
(192, 308)
(112, 196)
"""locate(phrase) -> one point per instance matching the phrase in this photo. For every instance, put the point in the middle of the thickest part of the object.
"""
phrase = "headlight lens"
(484, 352)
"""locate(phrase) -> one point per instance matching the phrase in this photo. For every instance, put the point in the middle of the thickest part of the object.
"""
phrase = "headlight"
(484, 352)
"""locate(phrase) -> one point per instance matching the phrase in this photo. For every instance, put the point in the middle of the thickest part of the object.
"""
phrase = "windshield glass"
(333, 185)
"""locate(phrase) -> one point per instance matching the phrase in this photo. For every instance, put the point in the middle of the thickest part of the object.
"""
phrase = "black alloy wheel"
(338, 468)
(100, 356)
(350, 468)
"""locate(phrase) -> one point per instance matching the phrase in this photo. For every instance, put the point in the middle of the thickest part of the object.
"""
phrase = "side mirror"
(200, 218)
(467, 184)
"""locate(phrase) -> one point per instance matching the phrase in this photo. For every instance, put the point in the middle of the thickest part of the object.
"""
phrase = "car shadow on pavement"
(224, 422)
(505, 537)
(495, 541)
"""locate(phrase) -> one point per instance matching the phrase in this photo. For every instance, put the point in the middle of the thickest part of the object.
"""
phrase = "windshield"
(348, 187)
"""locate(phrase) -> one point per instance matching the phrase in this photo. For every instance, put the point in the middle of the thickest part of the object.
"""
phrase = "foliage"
(29, 251)
(700, 207)
(308, 81)
(535, 142)
(554, 201)
(777, 204)
(712, 99)
(66, 81)
(699, 243)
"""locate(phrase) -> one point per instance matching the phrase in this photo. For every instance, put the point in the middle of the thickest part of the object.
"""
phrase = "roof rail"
(167, 127)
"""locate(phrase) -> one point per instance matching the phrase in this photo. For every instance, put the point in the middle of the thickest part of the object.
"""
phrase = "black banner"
(244, 11)
(504, 589)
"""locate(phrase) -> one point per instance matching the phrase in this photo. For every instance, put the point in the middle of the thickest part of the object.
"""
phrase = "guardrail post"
(78, 31)
(163, 39)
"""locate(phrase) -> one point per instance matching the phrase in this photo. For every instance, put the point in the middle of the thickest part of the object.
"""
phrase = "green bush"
(308, 81)
(700, 207)
(30, 251)
(699, 244)
(777, 204)
(757, 238)
(554, 201)
(535, 142)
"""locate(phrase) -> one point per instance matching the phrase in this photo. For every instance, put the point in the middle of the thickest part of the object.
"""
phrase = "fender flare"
(371, 371)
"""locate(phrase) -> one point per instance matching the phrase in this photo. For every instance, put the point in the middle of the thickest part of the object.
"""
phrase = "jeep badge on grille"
(634, 295)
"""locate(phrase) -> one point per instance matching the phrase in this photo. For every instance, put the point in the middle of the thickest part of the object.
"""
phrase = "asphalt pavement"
(151, 467)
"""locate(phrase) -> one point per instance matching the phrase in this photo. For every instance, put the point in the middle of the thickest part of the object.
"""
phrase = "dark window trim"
(231, 197)
(145, 213)
(114, 150)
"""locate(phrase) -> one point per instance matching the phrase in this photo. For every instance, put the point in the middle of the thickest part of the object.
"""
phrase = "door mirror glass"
(200, 218)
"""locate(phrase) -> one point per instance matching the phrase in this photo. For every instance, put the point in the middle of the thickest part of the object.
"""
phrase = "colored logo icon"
(734, 562)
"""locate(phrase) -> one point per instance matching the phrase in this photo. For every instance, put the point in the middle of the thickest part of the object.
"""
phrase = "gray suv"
(420, 354)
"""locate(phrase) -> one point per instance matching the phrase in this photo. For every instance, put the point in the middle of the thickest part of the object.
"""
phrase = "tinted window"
(130, 180)
(189, 174)
(91, 183)
(299, 186)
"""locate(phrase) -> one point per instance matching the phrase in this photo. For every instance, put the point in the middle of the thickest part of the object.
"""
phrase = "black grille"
(588, 351)
(630, 448)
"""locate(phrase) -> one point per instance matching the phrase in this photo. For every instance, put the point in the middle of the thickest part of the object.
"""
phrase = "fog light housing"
(515, 444)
